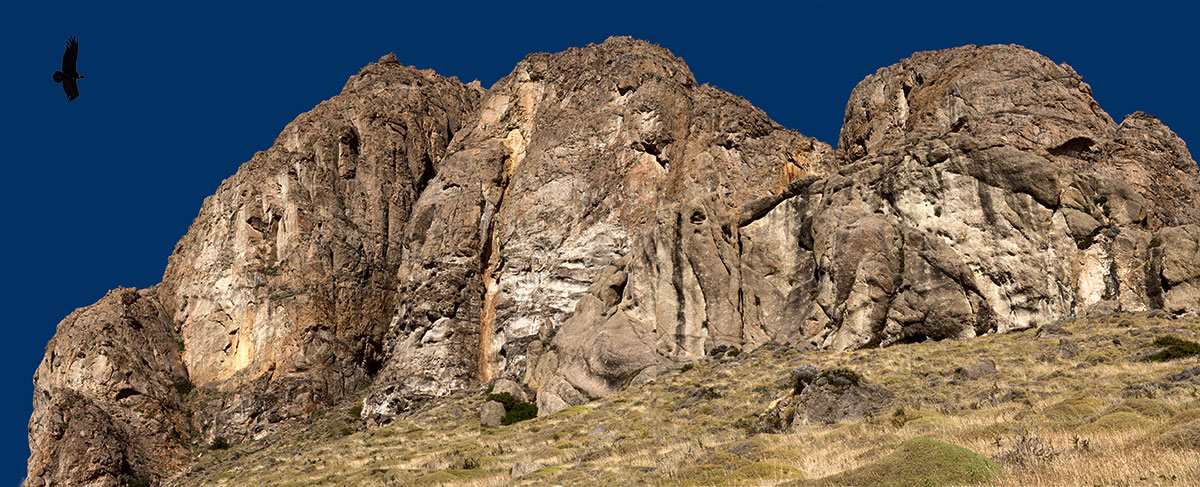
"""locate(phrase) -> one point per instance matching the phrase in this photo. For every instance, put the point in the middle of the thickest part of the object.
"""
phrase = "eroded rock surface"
(106, 408)
(284, 286)
(978, 189)
(598, 217)
(571, 155)
(280, 295)
(1003, 95)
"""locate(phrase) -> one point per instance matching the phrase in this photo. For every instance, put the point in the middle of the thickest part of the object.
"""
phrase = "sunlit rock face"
(597, 217)
(571, 156)
(283, 288)
(976, 190)
(106, 408)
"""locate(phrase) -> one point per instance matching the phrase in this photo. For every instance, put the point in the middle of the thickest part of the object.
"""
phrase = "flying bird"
(68, 75)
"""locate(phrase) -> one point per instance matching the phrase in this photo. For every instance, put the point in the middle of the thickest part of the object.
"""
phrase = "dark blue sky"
(177, 97)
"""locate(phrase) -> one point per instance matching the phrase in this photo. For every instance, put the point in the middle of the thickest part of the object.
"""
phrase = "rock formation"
(285, 284)
(107, 402)
(571, 155)
(960, 205)
(598, 216)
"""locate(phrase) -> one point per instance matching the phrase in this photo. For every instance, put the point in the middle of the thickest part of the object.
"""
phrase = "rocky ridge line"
(597, 217)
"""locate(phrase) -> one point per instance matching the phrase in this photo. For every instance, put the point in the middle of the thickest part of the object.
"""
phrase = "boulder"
(1067, 349)
(557, 395)
(500, 386)
(1187, 375)
(648, 375)
(826, 397)
(982, 368)
(491, 414)
(1052, 330)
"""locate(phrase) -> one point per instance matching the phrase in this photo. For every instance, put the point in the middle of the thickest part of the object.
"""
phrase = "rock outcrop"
(595, 218)
(285, 285)
(977, 190)
(108, 402)
(278, 298)
(1000, 95)
(570, 157)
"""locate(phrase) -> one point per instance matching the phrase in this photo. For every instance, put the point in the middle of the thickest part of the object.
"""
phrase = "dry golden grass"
(1098, 417)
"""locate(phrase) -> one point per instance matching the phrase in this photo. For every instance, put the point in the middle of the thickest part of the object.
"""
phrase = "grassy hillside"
(1079, 409)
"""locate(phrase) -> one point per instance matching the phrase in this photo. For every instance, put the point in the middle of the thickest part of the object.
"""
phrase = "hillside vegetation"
(1072, 403)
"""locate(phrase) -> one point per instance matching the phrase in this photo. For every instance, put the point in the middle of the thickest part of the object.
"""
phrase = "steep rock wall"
(980, 189)
(571, 155)
(106, 408)
(275, 303)
(284, 287)
(596, 217)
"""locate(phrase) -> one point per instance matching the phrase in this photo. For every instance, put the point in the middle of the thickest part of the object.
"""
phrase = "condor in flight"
(68, 75)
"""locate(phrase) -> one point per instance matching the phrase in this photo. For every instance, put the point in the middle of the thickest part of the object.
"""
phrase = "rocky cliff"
(598, 216)
(570, 157)
(977, 190)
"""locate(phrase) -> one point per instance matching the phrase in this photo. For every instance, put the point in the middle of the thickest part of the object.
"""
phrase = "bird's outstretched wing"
(69, 57)
(71, 88)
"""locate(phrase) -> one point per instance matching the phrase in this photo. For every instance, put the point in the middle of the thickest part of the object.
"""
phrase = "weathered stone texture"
(999, 94)
(570, 156)
(597, 217)
(106, 408)
(285, 285)
(980, 189)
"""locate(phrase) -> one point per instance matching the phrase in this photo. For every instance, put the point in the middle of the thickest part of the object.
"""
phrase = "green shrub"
(1173, 348)
(515, 410)
(847, 374)
(184, 386)
(219, 443)
(520, 412)
(143, 480)
(504, 398)
(686, 367)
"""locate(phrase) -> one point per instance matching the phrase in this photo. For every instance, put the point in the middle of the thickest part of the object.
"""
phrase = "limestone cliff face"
(283, 288)
(571, 155)
(978, 189)
(277, 300)
(105, 406)
(997, 94)
(598, 216)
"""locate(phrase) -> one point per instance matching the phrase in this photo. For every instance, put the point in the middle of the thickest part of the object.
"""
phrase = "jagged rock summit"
(598, 216)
